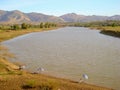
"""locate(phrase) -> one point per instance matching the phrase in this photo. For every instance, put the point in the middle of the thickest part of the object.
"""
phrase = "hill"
(72, 17)
(39, 17)
(13, 17)
(20, 17)
(33, 17)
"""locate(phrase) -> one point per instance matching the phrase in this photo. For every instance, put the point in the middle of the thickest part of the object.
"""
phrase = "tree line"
(27, 26)
(112, 23)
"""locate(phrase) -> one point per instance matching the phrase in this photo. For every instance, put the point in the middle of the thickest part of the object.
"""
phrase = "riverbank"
(25, 80)
(8, 34)
(109, 30)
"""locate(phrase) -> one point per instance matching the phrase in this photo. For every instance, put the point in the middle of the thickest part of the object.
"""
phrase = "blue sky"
(59, 7)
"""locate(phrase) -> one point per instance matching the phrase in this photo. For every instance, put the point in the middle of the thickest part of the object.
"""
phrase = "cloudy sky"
(59, 7)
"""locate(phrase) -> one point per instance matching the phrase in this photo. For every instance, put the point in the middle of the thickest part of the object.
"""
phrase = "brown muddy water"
(70, 52)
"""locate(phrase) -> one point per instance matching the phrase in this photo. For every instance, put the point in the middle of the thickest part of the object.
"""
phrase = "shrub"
(45, 86)
(29, 84)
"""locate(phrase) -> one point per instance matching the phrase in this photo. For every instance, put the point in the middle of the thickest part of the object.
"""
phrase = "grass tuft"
(46, 86)
(29, 84)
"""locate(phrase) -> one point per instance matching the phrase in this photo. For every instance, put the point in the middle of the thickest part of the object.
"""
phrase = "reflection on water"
(70, 52)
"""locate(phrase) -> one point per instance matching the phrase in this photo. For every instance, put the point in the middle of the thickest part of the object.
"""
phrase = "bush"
(45, 86)
(24, 26)
(29, 84)
(15, 27)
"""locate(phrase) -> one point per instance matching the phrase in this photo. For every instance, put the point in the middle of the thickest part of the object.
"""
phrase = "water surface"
(70, 52)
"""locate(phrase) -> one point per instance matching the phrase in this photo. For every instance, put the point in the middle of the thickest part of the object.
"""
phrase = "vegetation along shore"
(109, 27)
(12, 78)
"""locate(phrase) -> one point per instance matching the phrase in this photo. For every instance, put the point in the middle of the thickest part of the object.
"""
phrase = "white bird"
(22, 67)
(42, 69)
(85, 76)
(39, 70)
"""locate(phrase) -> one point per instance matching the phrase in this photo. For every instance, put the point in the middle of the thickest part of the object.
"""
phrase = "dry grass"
(42, 82)
(8, 34)
(107, 28)
(4, 53)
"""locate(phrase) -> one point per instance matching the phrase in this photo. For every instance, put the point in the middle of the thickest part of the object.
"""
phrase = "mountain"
(38, 17)
(115, 17)
(20, 17)
(13, 17)
(72, 17)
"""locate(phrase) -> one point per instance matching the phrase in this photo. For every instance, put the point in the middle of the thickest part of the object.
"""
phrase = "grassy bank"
(11, 78)
(8, 34)
(109, 30)
(42, 82)
(108, 27)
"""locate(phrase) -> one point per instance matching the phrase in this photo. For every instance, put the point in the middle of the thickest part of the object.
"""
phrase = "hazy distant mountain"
(72, 17)
(115, 17)
(19, 17)
(38, 17)
(13, 17)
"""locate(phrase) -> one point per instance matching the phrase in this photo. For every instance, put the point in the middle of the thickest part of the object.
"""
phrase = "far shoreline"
(110, 31)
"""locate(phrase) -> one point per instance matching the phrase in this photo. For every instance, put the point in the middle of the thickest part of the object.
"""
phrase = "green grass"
(29, 84)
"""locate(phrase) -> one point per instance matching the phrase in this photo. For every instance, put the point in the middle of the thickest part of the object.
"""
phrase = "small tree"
(41, 25)
(53, 25)
(46, 25)
(15, 27)
(24, 26)
(49, 25)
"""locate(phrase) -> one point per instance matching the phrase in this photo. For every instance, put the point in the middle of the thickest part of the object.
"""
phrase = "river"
(69, 53)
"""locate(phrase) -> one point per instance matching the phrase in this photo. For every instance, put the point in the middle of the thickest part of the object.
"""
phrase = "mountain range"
(16, 16)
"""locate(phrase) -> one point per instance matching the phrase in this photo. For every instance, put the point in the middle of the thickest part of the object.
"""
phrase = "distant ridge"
(72, 17)
(13, 17)
(17, 16)
(20, 17)
(39, 17)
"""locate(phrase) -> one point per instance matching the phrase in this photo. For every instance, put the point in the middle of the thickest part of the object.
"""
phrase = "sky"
(60, 7)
